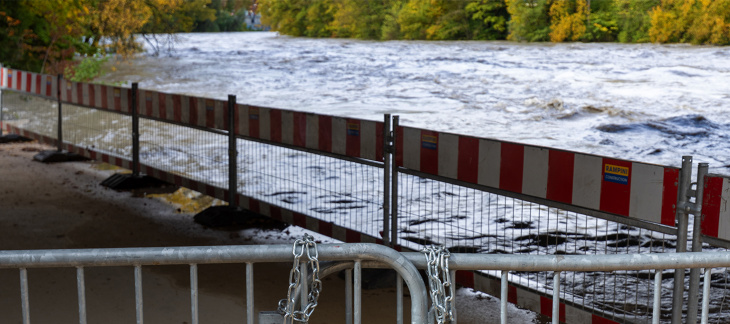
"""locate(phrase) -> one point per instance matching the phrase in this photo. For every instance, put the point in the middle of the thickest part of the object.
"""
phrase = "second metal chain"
(286, 306)
(439, 282)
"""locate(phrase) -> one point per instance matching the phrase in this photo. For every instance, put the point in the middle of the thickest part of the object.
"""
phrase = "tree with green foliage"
(488, 19)
(529, 20)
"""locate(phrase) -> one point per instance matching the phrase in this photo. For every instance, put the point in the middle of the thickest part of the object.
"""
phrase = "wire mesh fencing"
(33, 113)
(469, 220)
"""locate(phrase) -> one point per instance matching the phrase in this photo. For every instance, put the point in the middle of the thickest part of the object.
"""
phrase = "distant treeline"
(628, 21)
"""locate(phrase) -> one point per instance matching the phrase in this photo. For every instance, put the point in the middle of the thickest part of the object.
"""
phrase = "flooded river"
(646, 102)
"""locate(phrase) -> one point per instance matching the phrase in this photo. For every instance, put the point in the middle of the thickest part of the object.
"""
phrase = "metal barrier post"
(682, 224)
(386, 180)
(135, 132)
(1, 101)
(694, 273)
(60, 114)
(394, 183)
(232, 153)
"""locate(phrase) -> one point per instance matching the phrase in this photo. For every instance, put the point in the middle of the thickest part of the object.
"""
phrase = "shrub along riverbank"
(629, 21)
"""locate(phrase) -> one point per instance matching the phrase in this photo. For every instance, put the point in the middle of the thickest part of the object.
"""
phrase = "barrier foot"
(53, 156)
(128, 181)
(13, 138)
(237, 218)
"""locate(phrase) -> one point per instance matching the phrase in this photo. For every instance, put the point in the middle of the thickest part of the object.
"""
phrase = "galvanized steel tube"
(682, 227)
(694, 274)
(249, 294)
(24, 295)
(556, 297)
(81, 289)
(504, 296)
(706, 296)
(358, 292)
(194, 292)
(138, 294)
(657, 313)
(348, 296)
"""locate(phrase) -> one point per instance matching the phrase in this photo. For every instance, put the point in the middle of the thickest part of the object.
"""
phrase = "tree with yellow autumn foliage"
(568, 20)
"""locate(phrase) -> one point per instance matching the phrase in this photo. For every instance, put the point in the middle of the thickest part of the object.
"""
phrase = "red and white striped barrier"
(344, 136)
(528, 299)
(33, 83)
(643, 191)
(716, 207)
(201, 112)
(97, 96)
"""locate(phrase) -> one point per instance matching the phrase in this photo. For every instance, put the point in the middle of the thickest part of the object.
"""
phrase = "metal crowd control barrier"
(333, 175)
(363, 255)
(193, 256)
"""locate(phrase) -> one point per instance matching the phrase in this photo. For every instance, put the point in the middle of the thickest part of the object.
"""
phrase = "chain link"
(439, 282)
(286, 306)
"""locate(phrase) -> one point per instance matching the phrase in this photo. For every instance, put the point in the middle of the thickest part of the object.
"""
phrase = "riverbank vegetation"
(628, 21)
(75, 37)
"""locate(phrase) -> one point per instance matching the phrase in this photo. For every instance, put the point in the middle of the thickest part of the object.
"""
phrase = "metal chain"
(439, 282)
(286, 306)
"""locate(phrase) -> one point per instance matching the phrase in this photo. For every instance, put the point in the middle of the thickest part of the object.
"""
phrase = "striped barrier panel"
(643, 191)
(33, 83)
(110, 98)
(528, 299)
(337, 135)
(716, 207)
(180, 109)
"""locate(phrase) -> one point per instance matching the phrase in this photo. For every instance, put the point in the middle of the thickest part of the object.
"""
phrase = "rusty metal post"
(232, 152)
(135, 132)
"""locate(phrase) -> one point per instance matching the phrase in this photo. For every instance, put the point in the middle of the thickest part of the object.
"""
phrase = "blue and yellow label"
(253, 113)
(353, 129)
(209, 104)
(117, 93)
(429, 142)
(616, 174)
(49, 80)
(148, 97)
(68, 86)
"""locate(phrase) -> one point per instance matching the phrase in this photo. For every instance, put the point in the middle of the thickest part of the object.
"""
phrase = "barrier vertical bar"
(81, 288)
(138, 294)
(358, 292)
(59, 77)
(706, 296)
(232, 153)
(348, 296)
(685, 177)
(194, 292)
(657, 313)
(556, 297)
(399, 298)
(249, 293)
(135, 132)
(394, 194)
(504, 296)
(386, 180)
(694, 273)
(25, 304)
